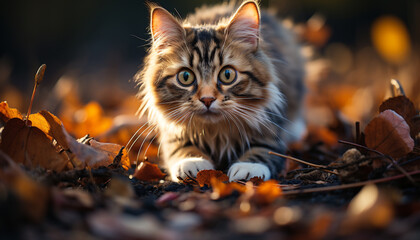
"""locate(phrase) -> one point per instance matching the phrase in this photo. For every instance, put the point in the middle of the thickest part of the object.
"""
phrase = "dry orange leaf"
(389, 134)
(222, 189)
(147, 171)
(7, 113)
(267, 192)
(204, 177)
(30, 146)
(55, 129)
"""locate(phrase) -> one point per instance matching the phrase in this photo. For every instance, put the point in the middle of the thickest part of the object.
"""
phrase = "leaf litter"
(48, 179)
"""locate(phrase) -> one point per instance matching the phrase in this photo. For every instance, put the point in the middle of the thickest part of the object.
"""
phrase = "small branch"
(320, 167)
(346, 186)
(383, 155)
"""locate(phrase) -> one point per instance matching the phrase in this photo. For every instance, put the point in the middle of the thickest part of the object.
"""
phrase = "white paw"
(189, 167)
(246, 170)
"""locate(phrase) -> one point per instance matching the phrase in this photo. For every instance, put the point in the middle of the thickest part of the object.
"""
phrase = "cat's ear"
(244, 26)
(165, 28)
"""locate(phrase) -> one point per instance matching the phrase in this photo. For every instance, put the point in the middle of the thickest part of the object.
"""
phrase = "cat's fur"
(211, 125)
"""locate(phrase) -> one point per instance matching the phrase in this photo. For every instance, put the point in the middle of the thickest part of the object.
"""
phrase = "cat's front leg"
(187, 162)
(256, 162)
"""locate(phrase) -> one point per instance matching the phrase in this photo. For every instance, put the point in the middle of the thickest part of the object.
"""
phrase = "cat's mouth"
(210, 115)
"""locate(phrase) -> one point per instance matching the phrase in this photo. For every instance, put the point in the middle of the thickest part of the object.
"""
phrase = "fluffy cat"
(223, 87)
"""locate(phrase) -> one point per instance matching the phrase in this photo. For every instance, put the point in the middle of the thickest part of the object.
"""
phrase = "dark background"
(104, 41)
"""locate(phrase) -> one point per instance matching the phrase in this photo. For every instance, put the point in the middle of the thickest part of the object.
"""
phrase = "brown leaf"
(31, 146)
(256, 181)
(7, 113)
(85, 155)
(204, 176)
(112, 150)
(147, 171)
(55, 128)
(405, 108)
(389, 134)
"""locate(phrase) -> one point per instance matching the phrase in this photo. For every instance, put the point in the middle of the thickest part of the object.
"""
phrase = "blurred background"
(93, 48)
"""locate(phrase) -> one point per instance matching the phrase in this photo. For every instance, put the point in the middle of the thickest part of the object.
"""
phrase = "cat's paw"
(189, 167)
(247, 170)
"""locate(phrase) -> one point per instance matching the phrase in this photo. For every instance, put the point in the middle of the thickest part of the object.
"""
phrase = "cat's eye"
(185, 77)
(227, 75)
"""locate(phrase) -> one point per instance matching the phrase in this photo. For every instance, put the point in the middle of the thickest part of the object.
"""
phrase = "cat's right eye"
(185, 77)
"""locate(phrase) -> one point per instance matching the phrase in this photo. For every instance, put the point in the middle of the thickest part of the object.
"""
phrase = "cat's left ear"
(244, 26)
(166, 29)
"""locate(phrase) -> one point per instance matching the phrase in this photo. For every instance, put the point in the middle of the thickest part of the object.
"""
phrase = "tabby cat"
(224, 88)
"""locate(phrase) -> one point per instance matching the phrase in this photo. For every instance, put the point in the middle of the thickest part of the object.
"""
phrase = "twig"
(320, 167)
(385, 156)
(346, 186)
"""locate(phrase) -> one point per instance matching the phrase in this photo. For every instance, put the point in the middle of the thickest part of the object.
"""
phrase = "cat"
(223, 87)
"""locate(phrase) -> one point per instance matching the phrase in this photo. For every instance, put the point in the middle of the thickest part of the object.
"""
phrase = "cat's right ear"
(165, 28)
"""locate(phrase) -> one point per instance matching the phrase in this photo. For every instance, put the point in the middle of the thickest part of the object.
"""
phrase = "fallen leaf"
(267, 192)
(85, 155)
(256, 181)
(55, 128)
(389, 134)
(405, 108)
(147, 171)
(44, 120)
(204, 176)
(112, 150)
(31, 146)
(7, 113)
(221, 189)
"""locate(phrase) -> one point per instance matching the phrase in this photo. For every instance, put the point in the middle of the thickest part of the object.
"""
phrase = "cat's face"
(208, 73)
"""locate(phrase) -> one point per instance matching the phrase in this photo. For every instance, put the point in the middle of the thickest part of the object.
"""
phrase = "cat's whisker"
(240, 131)
(144, 140)
(132, 137)
(137, 138)
(189, 122)
(150, 143)
(245, 117)
(270, 121)
(243, 112)
(271, 113)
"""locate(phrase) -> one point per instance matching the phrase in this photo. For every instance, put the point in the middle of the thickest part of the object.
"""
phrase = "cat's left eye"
(227, 75)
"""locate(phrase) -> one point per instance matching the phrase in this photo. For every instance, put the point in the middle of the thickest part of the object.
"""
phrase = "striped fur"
(249, 117)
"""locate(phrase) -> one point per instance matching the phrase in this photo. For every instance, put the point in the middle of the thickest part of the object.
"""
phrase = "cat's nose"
(207, 101)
